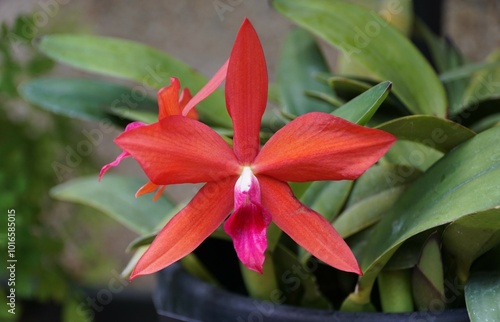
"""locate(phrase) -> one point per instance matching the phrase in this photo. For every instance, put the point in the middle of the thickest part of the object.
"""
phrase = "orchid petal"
(248, 224)
(180, 150)
(186, 230)
(168, 99)
(320, 146)
(246, 92)
(308, 228)
(150, 187)
(184, 100)
(147, 188)
(122, 155)
(206, 90)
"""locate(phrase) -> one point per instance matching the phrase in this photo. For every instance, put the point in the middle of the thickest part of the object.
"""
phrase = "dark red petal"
(308, 228)
(180, 150)
(246, 92)
(186, 230)
(320, 146)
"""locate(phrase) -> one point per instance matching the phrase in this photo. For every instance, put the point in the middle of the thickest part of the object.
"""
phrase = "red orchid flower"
(171, 103)
(246, 178)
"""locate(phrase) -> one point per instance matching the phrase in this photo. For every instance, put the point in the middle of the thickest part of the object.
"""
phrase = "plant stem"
(395, 290)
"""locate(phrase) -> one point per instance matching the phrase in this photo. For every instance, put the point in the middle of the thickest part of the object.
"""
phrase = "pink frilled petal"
(308, 228)
(186, 230)
(320, 146)
(208, 89)
(122, 155)
(246, 92)
(248, 224)
(180, 150)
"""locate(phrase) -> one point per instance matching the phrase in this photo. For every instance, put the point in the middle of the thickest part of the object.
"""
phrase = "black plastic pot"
(181, 297)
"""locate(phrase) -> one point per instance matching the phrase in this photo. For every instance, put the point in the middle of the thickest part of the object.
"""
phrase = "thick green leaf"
(133, 61)
(412, 155)
(361, 109)
(114, 196)
(428, 276)
(381, 177)
(461, 183)
(298, 281)
(484, 85)
(261, 286)
(365, 37)
(144, 240)
(482, 232)
(408, 254)
(467, 70)
(196, 268)
(437, 133)
(301, 60)
(327, 197)
(395, 291)
(147, 117)
(347, 87)
(133, 261)
(84, 98)
(486, 123)
(331, 99)
(482, 295)
(448, 61)
(366, 212)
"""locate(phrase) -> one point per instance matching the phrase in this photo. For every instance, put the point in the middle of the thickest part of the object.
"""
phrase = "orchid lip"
(246, 179)
(248, 224)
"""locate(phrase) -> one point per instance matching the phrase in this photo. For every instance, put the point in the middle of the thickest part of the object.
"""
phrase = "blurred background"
(68, 254)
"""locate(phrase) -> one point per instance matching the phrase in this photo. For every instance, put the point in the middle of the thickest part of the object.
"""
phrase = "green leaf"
(134, 61)
(261, 286)
(467, 70)
(327, 197)
(482, 232)
(83, 98)
(297, 280)
(115, 196)
(347, 87)
(380, 177)
(133, 261)
(447, 59)
(482, 295)
(366, 212)
(427, 277)
(486, 123)
(331, 99)
(140, 241)
(412, 155)
(364, 36)
(395, 291)
(147, 117)
(437, 133)
(300, 61)
(484, 85)
(361, 109)
(195, 267)
(461, 183)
